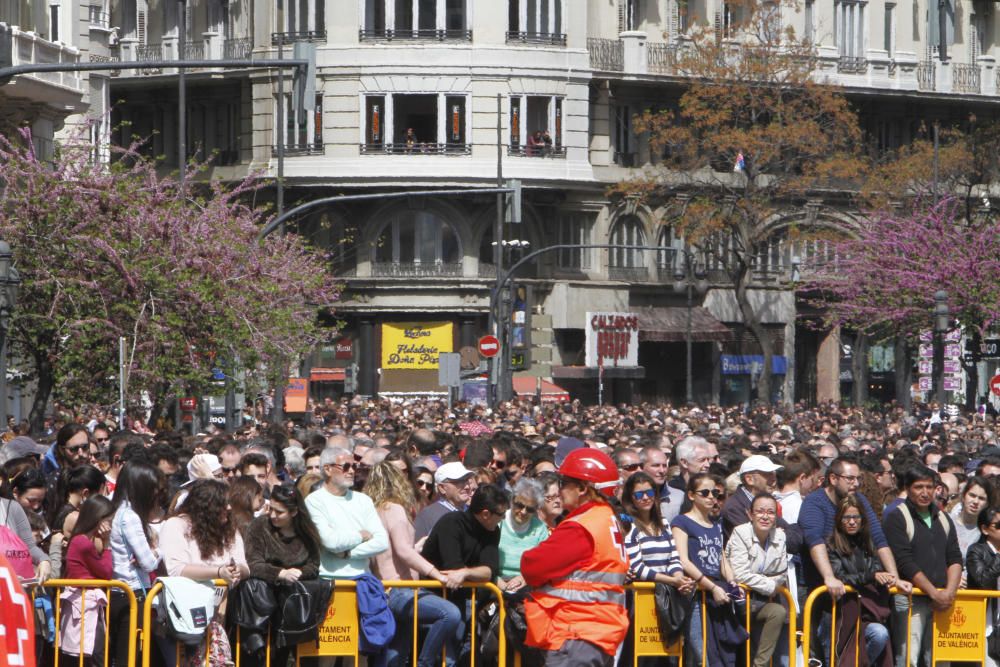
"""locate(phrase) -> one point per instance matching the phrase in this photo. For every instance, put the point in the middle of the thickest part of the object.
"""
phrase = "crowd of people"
(722, 506)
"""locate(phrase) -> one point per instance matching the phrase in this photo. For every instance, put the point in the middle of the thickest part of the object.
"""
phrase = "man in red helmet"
(576, 614)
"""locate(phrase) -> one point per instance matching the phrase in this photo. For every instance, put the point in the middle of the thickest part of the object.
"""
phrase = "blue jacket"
(378, 626)
(49, 463)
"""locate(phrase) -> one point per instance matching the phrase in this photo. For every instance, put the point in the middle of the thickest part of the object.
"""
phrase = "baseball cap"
(758, 463)
(565, 446)
(22, 445)
(452, 472)
(203, 466)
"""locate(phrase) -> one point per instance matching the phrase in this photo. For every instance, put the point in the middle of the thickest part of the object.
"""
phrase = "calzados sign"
(612, 339)
(415, 345)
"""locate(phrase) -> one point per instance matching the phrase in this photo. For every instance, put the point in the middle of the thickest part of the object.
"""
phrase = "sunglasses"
(521, 507)
(228, 471)
(851, 518)
(499, 465)
(647, 493)
(426, 485)
(705, 493)
(75, 449)
(346, 467)
(631, 467)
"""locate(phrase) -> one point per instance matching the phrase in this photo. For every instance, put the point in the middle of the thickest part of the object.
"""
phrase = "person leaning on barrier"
(759, 560)
(576, 614)
(925, 544)
(983, 566)
(854, 562)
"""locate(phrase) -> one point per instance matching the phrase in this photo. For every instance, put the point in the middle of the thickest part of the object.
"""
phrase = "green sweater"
(513, 544)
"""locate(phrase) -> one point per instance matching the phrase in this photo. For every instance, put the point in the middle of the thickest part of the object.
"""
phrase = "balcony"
(417, 270)
(629, 274)
(237, 49)
(537, 38)
(607, 55)
(193, 51)
(556, 152)
(426, 35)
(300, 149)
(661, 58)
(300, 36)
(925, 75)
(851, 65)
(420, 148)
(965, 78)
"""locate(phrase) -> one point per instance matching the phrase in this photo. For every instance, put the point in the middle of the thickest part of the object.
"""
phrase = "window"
(623, 139)
(574, 229)
(304, 135)
(849, 29)
(54, 23)
(628, 15)
(668, 257)
(418, 243)
(627, 232)
(536, 126)
(535, 21)
(415, 19)
(416, 124)
(809, 29)
(889, 30)
(300, 20)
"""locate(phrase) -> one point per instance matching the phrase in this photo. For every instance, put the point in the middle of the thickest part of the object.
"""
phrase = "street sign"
(489, 346)
(954, 383)
(952, 366)
(995, 385)
(926, 352)
(924, 383)
(449, 369)
(952, 351)
(925, 367)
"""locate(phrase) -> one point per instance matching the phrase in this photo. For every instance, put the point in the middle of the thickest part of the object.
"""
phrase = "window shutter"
(140, 23)
(674, 27)
(718, 26)
(622, 9)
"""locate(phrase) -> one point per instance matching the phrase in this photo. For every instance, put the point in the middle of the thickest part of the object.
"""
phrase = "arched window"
(628, 232)
(668, 256)
(417, 243)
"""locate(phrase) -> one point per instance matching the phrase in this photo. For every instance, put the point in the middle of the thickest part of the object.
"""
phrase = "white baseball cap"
(452, 472)
(758, 463)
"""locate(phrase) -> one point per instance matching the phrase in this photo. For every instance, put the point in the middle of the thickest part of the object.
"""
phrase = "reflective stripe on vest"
(591, 577)
(586, 597)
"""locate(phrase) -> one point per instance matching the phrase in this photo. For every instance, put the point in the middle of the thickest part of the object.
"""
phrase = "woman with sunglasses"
(423, 486)
(698, 535)
(758, 555)
(651, 550)
(854, 562)
(520, 530)
(392, 496)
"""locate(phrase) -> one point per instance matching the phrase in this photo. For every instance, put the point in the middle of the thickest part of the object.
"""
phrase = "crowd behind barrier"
(738, 513)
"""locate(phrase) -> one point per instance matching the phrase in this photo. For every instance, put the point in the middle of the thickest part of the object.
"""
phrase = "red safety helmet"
(591, 466)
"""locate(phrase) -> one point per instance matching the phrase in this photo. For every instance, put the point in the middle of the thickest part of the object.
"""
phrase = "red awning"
(327, 375)
(551, 393)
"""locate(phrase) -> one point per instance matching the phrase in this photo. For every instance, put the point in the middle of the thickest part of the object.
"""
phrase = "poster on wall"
(415, 345)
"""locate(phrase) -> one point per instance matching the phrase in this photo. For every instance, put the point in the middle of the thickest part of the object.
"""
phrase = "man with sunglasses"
(654, 463)
(455, 486)
(349, 528)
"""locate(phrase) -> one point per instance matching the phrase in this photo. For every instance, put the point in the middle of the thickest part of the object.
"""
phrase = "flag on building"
(739, 162)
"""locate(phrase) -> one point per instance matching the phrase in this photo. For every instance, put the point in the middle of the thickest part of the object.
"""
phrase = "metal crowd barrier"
(957, 634)
(647, 641)
(87, 585)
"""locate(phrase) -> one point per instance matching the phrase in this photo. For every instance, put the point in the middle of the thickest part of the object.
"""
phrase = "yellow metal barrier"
(647, 641)
(91, 584)
(147, 621)
(338, 634)
(960, 631)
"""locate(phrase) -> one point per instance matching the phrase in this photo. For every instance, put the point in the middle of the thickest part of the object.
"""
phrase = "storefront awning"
(669, 325)
(551, 392)
(327, 374)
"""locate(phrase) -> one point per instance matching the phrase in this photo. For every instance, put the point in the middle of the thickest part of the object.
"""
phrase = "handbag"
(672, 609)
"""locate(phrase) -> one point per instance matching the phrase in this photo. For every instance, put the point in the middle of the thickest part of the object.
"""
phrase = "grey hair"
(529, 488)
(330, 455)
(686, 448)
(294, 460)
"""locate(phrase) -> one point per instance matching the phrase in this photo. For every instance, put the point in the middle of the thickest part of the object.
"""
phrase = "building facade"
(444, 94)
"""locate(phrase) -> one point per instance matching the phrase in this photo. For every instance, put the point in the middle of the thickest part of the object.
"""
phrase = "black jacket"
(855, 569)
(930, 551)
(983, 567)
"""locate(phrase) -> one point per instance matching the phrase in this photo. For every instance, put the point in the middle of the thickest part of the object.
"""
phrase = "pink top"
(83, 561)
(401, 560)
(180, 550)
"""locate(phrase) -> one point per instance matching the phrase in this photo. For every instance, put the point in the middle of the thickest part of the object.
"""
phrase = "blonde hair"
(388, 484)
(306, 483)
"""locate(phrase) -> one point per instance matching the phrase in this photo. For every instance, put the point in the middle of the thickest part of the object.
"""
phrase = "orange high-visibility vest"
(590, 603)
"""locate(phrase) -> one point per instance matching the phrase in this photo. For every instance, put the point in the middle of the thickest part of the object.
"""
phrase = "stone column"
(634, 46)
(367, 357)
(828, 367)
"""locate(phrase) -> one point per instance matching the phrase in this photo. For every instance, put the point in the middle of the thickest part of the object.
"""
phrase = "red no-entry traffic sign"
(489, 346)
(995, 385)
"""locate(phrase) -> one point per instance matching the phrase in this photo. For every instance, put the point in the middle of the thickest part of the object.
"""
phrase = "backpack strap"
(907, 520)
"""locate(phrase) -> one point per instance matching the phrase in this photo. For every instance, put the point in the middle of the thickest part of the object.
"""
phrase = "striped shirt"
(651, 554)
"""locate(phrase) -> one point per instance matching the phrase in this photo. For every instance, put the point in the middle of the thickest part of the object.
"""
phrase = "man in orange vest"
(576, 614)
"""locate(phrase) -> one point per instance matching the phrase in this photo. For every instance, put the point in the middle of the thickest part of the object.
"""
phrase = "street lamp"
(689, 277)
(10, 281)
(942, 322)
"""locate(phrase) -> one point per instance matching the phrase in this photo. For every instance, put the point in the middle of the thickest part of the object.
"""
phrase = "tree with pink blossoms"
(882, 279)
(109, 251)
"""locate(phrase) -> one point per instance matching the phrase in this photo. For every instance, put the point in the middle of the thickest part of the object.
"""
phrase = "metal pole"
(934, 181)
(4, 324)
(121, 382)
(688, 391)
(279, 390)
(181, 97)
(494, 326)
